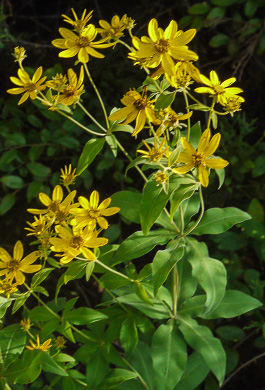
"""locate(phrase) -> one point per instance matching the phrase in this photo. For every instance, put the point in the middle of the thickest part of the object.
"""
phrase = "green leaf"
(116, 377)
(187, 283)
(111, 141)
(8, 157)
(141, 293)
(217, 220)
(25, 370)
(190, 207)
(251, 8)
(12, 340)
(219, 40)
(195, 134)
(230, 333)
(163, 263)
(153, 201)
(182, 193)
(223, 3)
(234, 304)
(221, 176)
(210, 273)
(141, 360)
(40, 276)
(129, 203)
(216, 13)
(14, 182)
(138, 245)
(50, 365)
(165, 100)
(84, 316)
(256, 210)
(96, 370)
(34, 189)
(7, 203)
(40, 313)
(194, 374)
(199, 9)
(91, 149)
(193, 307)
(200, 338)
(89, 270)
(4, 304)
(169, 354)
(38, 169)
(112, 281)
(68, 142)
(129, 334)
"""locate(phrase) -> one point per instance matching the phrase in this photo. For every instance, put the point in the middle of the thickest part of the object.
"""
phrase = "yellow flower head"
(68, 176)
(183, 75)
(233, 104)
(71, 92)
(19, 54)
(91, 212)
(25, 324)
(82, 45)
(76, 242)
(169, 119)
(29, 87)
(113, 30)
(42, 347)
(57, 209)
(38, 227)
(200, 158)
(78, 24)
(155, 153)
(7, 287)
(218, 89)
(161, 177)
(58, 82)
(163, 46)
(15, 267)
(137, 107)
(60, 342)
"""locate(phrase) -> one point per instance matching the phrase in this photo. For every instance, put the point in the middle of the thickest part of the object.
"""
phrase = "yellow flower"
(81, 45)
(30, 87)
(25, 324)
(161, 177)
(37, 227)
(155, 153)
(60, 342)
(7, 287)
(218, 89)
(233, 104)
(78, 24)
(58, 82)
(76, 242)
(19, 54)
(67, 176)
(14, 267)
(42, 347)
(183, 75)
(137, 107)
(200, 159)
(162, 46)
(113, 30)
(57, 209)
(71, 92)
(170, 120)
(92, 213)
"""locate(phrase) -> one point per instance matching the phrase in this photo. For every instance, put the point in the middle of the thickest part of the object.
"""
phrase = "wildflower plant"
(152, 312)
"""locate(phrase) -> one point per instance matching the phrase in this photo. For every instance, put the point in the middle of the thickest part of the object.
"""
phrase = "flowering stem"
(125, 44)
(188, 110)
(114, 271)
(98, 95)
(91, 117)
(175, 283)
(80, 124)
(210, 113)
(200, 216)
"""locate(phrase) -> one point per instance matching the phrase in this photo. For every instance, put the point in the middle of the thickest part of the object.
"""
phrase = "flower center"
(162, 45)
(30, 87)
(94, 214)
(83, 42)
(218, 89)
(198, 159)
(13, 265)
(53, 207)
(76, 242)
(139, 104)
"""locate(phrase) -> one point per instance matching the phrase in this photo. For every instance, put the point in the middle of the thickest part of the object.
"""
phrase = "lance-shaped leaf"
(201, 339)
(195, 372)
(138, 245)
(169, 354)
(217, 220)
(129, 334)
(182, 193)
(210, 273)
(234, 304)
(154, 200)
(141, 360)
(90, 151)
(129, 203)
(84, 316)
(163, 263)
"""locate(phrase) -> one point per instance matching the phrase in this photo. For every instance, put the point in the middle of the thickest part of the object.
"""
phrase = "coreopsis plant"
(151, 331)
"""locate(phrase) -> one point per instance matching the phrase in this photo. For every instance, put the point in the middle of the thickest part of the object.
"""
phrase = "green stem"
(114, 271)
(98, 95)
(181, 220)
(210, 113)
(188, 110)
(200, 216)
(194, 99)
(92, 118)
(175, 284)
(80, 124)
(136, 372)
(125, 44)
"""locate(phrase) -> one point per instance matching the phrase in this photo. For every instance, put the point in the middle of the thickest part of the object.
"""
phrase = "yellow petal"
(203, 176)
(29, 259)
(18, 251)
(184, 158)
(103, 223)
(110, 211)
(171, 30)
(216, 163)
(204, 140)
(94, 199)
(104, 204)
(37, 75)
(57, 194)
(214, 77)
(228, 82)
(213, 145)
(187, 146)
(83, 202)
(186, 168)
(152, 30)
(140, 122)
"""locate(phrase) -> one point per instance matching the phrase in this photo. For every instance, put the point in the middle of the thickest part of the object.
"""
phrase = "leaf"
(216, 13)
(96, 370)
(217, 220)
(129, 203)
(210, 273)
(234, 304)
(187, 282)
(163, 263)
(138, 245)
(200, 338)
(219, 40)
(199, 9)
(91, 149)
(256, 210)
(12, 340)
(50, 365)
(182, 193)
(7, 203)
(112, 281)
(141, 360)
(14, 182)
(223, 3)
(129, 334)
(40, 276)
(40, 313)
(38, 169)
(111, 141)
(194, 374)
(154, 200)
(84, 316)
(165, 99)
(116, 377)
(169, 354)
(4, 304)
(25, 370)
(193, 307)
